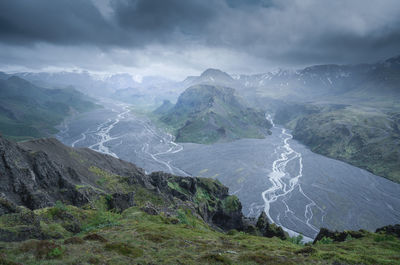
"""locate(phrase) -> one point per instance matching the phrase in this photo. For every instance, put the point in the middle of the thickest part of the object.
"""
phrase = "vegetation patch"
(216, 258)
(95, 237)
(124, 249)
(74, 241)
(111, 182)
(43, 249)
(231, 204)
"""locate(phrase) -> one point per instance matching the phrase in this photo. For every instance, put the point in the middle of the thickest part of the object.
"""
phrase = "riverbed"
(298, 189)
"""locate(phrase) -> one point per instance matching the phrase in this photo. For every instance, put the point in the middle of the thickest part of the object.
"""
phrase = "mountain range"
(344, 83)
(365, 95)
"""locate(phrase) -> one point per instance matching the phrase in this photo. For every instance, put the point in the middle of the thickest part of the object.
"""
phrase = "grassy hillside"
(207, 114)
(362, 136)
(28, 111)
(137, 237)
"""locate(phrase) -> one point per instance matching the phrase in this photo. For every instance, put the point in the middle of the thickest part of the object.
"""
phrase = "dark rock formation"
(38, 173)
(268, 229)
(338, 236)
(6, 206)
(390, 230)
(26, 225)
(120, 201)
(214, 204)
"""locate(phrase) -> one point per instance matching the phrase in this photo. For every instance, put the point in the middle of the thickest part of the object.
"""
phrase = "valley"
(300, 190)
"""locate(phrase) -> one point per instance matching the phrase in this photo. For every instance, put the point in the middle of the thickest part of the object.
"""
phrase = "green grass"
(140, 238)
(109, 181)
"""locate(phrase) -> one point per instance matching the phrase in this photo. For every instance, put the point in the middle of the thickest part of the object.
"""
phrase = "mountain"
(27, 110)
(82, 81)
(212, 77)
(62, 205)
(207, 114)
(371, 83)
(147, 90)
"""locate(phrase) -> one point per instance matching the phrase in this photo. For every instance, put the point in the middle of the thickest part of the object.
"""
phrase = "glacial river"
(298, 189)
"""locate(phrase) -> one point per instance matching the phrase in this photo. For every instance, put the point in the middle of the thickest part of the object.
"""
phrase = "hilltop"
(208, 114)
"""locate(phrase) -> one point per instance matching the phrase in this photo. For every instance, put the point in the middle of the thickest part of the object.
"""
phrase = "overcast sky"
(176, 38)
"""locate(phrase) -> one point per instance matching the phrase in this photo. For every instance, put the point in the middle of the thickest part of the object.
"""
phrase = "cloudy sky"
(176, 38)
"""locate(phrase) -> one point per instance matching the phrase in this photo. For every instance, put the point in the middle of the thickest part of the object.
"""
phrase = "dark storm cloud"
(135, 22)
(254, 33)
(61, 22)
(158, 18)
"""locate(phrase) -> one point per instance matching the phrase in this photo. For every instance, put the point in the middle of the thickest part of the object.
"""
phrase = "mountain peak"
(211, 72)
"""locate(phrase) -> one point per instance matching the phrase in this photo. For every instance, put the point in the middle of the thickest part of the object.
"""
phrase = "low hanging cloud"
(184, 37)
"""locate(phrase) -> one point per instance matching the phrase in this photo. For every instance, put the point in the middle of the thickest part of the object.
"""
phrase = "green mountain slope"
(365, 137)
(207, 114)
(28, 111)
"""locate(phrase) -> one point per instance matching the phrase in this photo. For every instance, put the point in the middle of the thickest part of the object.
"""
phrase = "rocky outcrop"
(268, 229)
(338, 236)
(210, 198)
(120, 201)
(38, 173)
(390, 230)
(25, 225)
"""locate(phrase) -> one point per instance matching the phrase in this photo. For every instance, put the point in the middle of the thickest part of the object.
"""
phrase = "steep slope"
(29, 111)
(207, 114)
(36, 174)
(365, 137)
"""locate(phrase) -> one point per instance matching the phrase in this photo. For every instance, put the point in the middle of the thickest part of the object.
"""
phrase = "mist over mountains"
(314, 82)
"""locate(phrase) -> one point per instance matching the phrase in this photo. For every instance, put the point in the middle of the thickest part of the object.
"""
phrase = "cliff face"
(37, 174)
